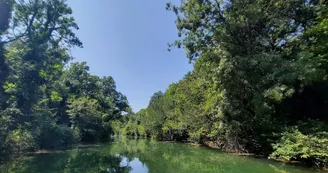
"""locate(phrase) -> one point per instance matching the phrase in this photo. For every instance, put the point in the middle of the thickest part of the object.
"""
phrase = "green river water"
(145, 156)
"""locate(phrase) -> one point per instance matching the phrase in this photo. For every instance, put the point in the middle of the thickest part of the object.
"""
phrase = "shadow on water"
(138, 156)
(86, 160)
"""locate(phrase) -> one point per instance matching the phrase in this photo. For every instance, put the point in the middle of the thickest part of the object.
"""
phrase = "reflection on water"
(143, 156)
(136, 165)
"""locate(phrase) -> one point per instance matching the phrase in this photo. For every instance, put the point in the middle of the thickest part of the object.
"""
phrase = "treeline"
(259, 82)
(45, 104)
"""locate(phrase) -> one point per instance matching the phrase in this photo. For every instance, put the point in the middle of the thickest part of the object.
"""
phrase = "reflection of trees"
(160, 157)
(91, 160)
(94, 161)
(169, 157)
(42, 163)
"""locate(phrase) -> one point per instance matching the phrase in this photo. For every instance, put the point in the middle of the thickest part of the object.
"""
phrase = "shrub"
(55, 137)
(22, 140)
(311, 148)
(5, 148)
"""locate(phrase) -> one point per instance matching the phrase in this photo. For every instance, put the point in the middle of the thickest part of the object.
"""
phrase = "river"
(145, 156)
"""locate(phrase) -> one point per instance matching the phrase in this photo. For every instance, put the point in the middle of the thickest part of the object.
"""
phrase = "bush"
(5, 148)
(294, 145)
(76, 135)
(22, 140)
(55, 137)
(117, 127)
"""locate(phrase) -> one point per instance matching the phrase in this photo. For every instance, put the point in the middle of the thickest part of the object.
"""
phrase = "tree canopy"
(47, 103)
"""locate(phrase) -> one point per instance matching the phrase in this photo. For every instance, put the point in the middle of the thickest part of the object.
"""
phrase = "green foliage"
(84, 115)
(22, 140)
(55, 97)
(117, 126)
(295, 145)
(44, 102)
(53, 136)
(5, 148)
(260, 67)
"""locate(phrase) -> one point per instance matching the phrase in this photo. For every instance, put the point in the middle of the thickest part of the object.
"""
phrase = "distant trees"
(259, 82)
(43, 103)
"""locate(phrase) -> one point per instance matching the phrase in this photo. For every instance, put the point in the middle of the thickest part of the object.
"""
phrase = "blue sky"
(127, 39)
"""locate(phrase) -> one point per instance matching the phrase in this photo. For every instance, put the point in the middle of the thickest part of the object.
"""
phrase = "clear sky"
(127, 39)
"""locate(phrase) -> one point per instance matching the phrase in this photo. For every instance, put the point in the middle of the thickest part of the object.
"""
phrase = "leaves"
(43, 100)
(296, 145)
(260, 67)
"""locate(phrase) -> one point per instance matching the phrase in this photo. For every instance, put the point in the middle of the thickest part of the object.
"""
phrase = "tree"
(43, 104)
(85, 118)
(156, 115)
(5, 12)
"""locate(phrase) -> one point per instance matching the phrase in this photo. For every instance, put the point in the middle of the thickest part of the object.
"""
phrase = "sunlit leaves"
(260, 66)
(55, 97)
(9, 87)
(296, 145)
(38, 95)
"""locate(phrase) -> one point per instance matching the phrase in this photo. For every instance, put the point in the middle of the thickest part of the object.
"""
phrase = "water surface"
(144, 156)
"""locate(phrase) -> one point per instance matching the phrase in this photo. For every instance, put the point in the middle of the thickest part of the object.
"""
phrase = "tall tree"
(5, 13)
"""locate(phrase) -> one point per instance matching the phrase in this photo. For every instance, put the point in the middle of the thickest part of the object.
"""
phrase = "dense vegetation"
(44, 103)
(259, 82)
